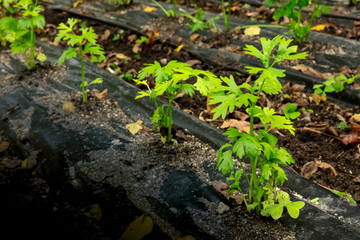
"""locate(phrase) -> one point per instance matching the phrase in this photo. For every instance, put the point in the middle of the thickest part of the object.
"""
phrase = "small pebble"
(222, 208)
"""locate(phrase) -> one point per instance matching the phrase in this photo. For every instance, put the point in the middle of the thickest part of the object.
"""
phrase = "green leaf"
(276, 211)
(67, 54)
(294, 208)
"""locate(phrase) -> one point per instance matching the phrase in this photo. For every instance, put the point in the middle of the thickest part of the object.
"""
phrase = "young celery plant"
(170, 80)
(21, 32)
(260, 148)
(227, 14)
(68, 33)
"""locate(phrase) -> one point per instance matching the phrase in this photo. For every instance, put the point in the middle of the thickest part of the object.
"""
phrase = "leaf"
(293, 208)
(30, 162)
(194, 37)
(4, 145)
(241, 126)
(320, 27)
(252, 31)
(138, 229)
(179, 48)
(101, 95)
(149, 9)
(77, 3)
(67, 54)
(276, 211)
(68, 107)
(134, 128)
(317, 98)
(93, 211)
(41, 57)
(311, 167)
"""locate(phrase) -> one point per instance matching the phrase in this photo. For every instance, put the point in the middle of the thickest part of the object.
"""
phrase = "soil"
(317, 138)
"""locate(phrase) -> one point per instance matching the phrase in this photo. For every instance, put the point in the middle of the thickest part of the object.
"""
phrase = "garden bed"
(122, 162)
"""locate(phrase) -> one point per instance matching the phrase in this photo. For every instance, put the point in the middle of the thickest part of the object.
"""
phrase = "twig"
(316, 131)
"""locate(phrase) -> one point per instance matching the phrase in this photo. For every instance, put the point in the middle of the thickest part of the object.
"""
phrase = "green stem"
(82, 73)
(225, 15)
(175, 8)
(31, 60)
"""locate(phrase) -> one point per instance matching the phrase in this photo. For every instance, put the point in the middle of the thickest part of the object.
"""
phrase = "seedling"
(170, 80)
(143, 39)
(170, 13)
(342, 125)
(227, 14)
(290, 111)
(69, 34)
(199, 23)
(120, 2)
(292, 9)
(260, 148)
(346, 196)
(117, 35)
(334, 84)
(127, 76)
(21, 32)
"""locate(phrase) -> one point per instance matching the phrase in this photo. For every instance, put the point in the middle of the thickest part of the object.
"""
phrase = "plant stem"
(82, 73)
(31, 60)
(174, 8)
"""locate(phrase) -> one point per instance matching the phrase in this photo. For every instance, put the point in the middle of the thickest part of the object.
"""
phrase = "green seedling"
(342, 125)
(227, 14)
(199, 23)
(8, 6)
(120, 2)
(87, 36)
(334, 84)
(290, 111)
(170, 80)
(260, 147)
(346, 196)
(127, 76)
(292, 9)
(170, 13)
(117, 34)
(307, 110)
(143, 39)
(21, 32)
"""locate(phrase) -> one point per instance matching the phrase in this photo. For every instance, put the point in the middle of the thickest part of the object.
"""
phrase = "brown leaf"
(193, 62)
(102, 95)
(241, 115)
(136, 48)
(105, 35)
(134, 128)
(10, 162)
(194, 37)
(4, 145)
(327, 167)
(317, 98)
(349, 140)
(311, 71)
(241, 126)
(340, 118)
(311, 167)
(30, 162)
(68, 107)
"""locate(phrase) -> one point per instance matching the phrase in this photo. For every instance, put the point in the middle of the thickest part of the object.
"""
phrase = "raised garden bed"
(87, 162)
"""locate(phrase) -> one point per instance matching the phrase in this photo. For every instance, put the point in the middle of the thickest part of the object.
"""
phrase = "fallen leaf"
(134, 128)
(349, 140)
(138, 229)
(77, 3)
(136, 48)
(4, 145)
(194, 37)
(310, 71)
(68, 107)
(340, 118)
(178, 49)
(30, 162)
(83, 12)
(93, 211)
(319, 27)
(252, 31)
(101, 95)
(241, 115)
(149, 9)
(193, 62)
(121, 56)
(317, 98)
(241, 126)
(311, 167)
(105, 35)
(233, 8)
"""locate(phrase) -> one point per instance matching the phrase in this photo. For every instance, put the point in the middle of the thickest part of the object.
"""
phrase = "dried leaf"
(68, 107)
(310, 71)
(241, 115)
(93, 211)
(311, 167)
(219, 186)
(10, 162)
(193, 62)
(138, 229)
(355, 118)
(252, 31)
(30, 162)
(349, 140)
(136, 48)
(327, 167)
(149, 9)
(105, 35)
(4, 145)
(317, 98)
(77, 3)
(340, 118)
(320, 27)
(241, 126)
(194, 37)
(134, 128)
(178, 49)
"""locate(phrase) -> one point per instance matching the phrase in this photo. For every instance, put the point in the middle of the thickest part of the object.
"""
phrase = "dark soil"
(317, 136)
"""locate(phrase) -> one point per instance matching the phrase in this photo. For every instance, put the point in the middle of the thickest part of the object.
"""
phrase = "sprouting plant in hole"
(292, 9)
(21, 32)
(170, 80)
(290, 111)
(117, 34)
(87, 37)
(143, 39)
(227, 14)
(127, 76)
(259, 147)
(334, 84)
(199, 23)
(346, 196)
(342, 125)
(170, 12)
